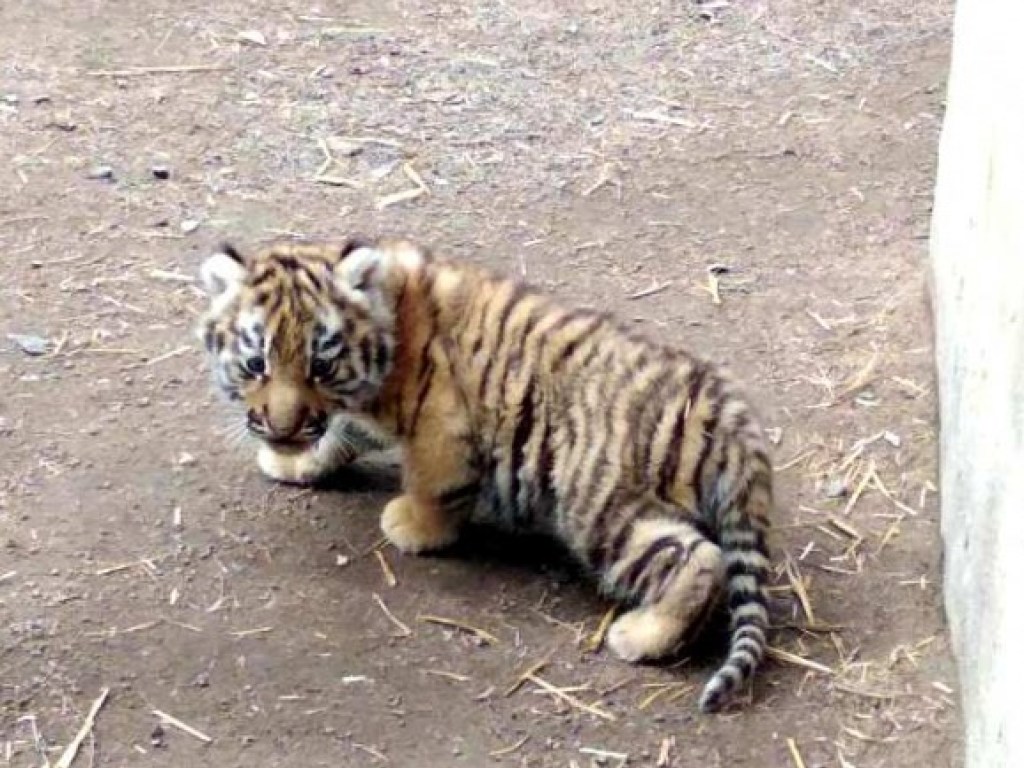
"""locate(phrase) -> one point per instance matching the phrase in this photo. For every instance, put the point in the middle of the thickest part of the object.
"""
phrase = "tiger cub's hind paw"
(643, 634)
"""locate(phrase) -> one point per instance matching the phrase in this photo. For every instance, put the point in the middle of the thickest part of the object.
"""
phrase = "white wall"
(978, 280)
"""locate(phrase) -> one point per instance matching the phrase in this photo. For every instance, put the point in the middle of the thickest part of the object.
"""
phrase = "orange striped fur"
(643, 459)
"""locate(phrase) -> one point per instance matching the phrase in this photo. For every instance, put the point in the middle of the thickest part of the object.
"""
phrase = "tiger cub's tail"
(743, 530)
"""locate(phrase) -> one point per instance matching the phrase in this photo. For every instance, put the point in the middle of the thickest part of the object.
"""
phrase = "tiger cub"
(643, 459)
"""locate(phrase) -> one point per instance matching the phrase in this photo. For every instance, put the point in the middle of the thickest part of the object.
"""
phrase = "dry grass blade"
(181, 69)
(656, 288)
(604, 754)
(483, 634)
(448, 675)
(376, 754)
(799, 661)
(861, 379)
(713, 288)
(68, 756)
(665, 752)
(403, 628)
(865, 478)
(532, 670)
(511, 748)
(794, 752)
(389, 575)
(182, 726)
(338, 181)
(251, 632)
(796, 581)
(400, 197)
(593, 643)
(568, 698)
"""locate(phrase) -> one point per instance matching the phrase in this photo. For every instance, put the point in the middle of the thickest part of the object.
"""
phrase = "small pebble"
(188, 226)
(101, 173)
(836, 488)
(29, 344)
(161, 172)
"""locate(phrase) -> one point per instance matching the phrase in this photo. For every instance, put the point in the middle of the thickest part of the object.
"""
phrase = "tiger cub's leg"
(674, 575)
(343, 443)
(440, 488)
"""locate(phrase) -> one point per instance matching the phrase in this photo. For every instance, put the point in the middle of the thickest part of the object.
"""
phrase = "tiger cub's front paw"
(293, 468)
(413, 527)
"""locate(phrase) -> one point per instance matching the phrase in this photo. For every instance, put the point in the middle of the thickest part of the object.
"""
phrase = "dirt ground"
(610, 152)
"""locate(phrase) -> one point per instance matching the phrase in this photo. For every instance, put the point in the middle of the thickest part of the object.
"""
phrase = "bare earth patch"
(750, 179)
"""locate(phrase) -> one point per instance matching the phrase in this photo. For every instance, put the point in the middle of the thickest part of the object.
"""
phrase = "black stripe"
(366, 354)
(315, 281)
(271, 301)
(735, 568)
(646, 417)
(597, 552)
(426, 380)
(518, 293)
(457, 497)
(739, 597)
(582, 335)
(261, 277)
(655, 548)
(670, 464)
(545, 460)
(520, 435)
(287, 261)
(708, 430)
(598, 533)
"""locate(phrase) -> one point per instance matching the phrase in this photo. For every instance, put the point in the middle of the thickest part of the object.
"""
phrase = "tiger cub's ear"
(223, 271)
(362, 275)
(362, 268)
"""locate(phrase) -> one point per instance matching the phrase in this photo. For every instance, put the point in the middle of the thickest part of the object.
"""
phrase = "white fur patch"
(221, 273)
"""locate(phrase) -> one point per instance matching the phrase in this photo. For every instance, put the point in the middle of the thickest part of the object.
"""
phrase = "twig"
(371, 751)
(337, 181)
(250, 632)
(449, 675)
(656, 288)
(596, 640)
(165, 70)
(664, 754)
(402, 627)
(799, 661)
(21, 219)
(510, 749)
(442, 621)
(797, 581)
(534, 669)
(604, 754)
(181, 726)
(168, 355)
(712, 287)
(855, 496)
(71, 750)
(569, 699)
(389, 575)
(794, 752)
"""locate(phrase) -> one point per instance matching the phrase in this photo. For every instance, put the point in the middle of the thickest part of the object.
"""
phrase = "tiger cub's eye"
(257, 366)
(319, 368)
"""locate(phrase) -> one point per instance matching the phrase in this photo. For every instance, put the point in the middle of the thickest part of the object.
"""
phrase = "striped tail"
(743, 538)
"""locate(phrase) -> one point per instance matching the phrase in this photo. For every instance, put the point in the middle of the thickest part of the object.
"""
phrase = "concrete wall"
(978, 281)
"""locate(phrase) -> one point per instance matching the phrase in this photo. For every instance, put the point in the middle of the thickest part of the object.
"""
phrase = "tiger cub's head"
(299, 332)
